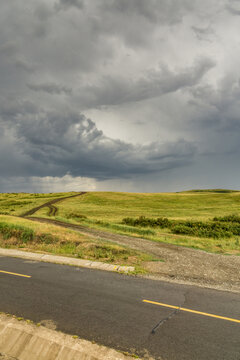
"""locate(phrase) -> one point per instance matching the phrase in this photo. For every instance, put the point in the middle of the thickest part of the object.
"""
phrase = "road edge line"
(191, 311)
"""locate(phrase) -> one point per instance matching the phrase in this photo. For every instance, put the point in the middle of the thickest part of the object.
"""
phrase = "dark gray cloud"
(25, 65)
(8, 49)
(111, 91)
(66, 4)
(135, 20)
(233, 6)
(50, 88)
(167, 11)
(106, 91)
(204, 34)
(52, 143)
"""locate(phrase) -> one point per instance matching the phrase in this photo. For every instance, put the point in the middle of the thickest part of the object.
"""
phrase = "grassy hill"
(113, 206)
(19, 203)
(188, 215)
(106, 210)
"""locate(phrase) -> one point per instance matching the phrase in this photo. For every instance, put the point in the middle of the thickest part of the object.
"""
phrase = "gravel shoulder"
(180, 264)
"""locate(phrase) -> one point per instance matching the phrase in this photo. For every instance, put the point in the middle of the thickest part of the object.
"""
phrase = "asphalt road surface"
(126, 313)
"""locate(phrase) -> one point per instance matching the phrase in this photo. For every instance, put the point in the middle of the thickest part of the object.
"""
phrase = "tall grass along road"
(154, 224)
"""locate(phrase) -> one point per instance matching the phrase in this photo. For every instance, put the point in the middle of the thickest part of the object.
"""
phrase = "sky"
(119, 95)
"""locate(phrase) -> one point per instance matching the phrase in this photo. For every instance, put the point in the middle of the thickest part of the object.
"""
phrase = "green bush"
(125, 228)
(144, 222)
(76, 216)
(182, 229)
(214, 229)
(229, 218)
(201, 231)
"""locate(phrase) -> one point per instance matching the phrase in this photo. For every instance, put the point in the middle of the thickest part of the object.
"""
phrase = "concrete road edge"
(65, 260)
(24, 341)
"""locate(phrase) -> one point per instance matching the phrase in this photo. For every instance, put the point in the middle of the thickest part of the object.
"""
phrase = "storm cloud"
(106, 94)
(54, 144)
(50, 88)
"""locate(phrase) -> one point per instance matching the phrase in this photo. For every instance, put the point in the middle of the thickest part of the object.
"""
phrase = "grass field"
(113, 206)
(106, 210)
(32, 236)
(19, 203)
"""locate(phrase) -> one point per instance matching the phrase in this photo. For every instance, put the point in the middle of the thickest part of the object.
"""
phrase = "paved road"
(109, 309)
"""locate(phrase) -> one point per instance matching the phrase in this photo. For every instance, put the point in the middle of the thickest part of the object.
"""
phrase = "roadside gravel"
(180, 264)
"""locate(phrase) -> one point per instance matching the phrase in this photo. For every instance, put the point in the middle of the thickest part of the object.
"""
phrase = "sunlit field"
(106, 210)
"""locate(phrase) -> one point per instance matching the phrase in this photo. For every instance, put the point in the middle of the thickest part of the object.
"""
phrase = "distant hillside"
(224, 191)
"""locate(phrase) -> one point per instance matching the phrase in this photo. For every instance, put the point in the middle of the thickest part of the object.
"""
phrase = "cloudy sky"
(128, 95)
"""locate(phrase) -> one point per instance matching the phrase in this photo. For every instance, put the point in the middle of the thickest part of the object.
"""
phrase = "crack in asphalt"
(170, 316)
(162, 321)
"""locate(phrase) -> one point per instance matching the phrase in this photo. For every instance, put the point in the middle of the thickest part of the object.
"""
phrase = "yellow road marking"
(11, 273)
(192, 311)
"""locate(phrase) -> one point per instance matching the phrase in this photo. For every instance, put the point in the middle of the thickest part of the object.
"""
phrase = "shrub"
(229, 218)
(182, 229)
(144, 222)
(215, 229)
(77, 216)
(125, 228)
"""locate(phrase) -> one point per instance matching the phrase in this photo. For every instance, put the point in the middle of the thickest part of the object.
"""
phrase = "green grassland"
(113, 206)
(19, 203)
(106, 210)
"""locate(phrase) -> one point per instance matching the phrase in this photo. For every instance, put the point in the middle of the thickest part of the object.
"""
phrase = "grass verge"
(30, 236)
(220, 245)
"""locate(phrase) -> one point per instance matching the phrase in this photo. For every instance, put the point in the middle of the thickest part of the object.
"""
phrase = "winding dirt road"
(180, 264)
(52, 209)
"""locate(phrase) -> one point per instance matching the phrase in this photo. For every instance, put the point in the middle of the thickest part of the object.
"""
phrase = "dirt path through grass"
(179, 264)
(52, 209)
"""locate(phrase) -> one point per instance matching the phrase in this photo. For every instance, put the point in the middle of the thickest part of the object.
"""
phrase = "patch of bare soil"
(180, 264)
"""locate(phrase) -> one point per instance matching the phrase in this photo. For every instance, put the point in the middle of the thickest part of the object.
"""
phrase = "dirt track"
(180, 264)
(52, 209)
